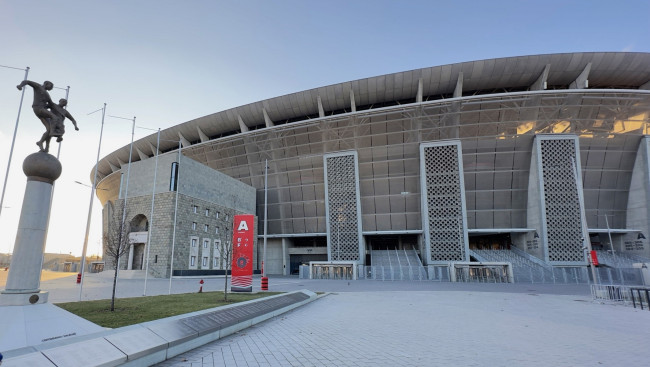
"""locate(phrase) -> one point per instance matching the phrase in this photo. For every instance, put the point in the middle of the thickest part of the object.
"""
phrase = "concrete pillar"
(285, 257)
(129, 264)
(42, 170)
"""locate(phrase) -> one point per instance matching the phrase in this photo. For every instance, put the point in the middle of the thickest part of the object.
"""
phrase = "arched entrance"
(138, 238)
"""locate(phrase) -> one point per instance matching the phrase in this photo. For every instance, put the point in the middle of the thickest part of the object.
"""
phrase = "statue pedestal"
(22, 299)
(26, 319)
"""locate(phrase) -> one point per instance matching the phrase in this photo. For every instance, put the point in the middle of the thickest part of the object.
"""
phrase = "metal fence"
(415, 273)
(620, 276)
(628, 295)
(554, 275)
(482, 274)
(521, 274)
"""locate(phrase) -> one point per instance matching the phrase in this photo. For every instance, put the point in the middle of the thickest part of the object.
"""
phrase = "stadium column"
(638, 211)
(444, 210)
(555, 202)
(343, 207)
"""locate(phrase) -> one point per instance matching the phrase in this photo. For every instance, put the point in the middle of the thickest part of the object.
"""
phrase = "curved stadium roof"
(603, 70)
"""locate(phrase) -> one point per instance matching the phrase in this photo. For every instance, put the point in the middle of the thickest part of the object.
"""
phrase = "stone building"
(200, 200)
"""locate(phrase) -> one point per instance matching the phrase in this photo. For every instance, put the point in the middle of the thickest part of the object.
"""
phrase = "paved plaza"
(374, 323)
(438, 328)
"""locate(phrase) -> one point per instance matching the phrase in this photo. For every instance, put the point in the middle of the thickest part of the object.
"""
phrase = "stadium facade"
(543, 157)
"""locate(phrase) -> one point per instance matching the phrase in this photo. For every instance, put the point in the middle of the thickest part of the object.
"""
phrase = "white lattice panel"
(444, 203)
(342, 198)
(561, 200)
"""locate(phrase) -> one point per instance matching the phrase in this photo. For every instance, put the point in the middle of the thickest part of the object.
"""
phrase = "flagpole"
(153, 198)
(128, 174)
(266, 189)
(58, 154)
(178, 188)
(13, 140)
(90, 206)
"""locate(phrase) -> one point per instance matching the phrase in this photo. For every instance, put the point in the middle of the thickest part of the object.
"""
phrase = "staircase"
(395, 265)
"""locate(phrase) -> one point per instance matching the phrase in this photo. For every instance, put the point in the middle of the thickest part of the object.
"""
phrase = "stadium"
(508, 169)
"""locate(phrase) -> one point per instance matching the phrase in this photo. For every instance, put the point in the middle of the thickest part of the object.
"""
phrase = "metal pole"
(90, 206)
(178, 187)
(13, 140)
(58, 154)
(266, 212)
(609, 234)
(585, 244)
(153, 198)
(126, 192)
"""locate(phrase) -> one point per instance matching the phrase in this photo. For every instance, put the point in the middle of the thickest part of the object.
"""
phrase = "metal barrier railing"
(622, 293)
(482, 274)
(639, 293)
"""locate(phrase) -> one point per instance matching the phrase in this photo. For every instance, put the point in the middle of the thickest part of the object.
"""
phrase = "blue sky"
(167, 62)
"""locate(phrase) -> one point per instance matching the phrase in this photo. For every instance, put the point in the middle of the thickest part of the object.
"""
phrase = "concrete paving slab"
(437, 328)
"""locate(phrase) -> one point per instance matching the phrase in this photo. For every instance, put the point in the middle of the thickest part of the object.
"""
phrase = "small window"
(155, 261)
(194, 226)
(227, 217)
(192, 260)
(216, 230)
(205, 262)
(207, 212)
(205, 228)
(216, 262)
(217, 215)
(195, 209)
(193, 242)
(205, 243)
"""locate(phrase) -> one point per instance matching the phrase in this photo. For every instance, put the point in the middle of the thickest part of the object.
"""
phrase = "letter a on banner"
(242, 253)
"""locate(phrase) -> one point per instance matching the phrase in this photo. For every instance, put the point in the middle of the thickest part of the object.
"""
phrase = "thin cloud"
(628, 48)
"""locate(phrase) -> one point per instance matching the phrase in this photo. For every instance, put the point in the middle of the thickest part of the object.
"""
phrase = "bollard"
(201, 287)
(265, 283)
(78, 278)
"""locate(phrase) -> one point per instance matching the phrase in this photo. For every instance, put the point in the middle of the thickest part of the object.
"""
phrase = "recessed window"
(216, 230)
(195, 209)
(217, 215)
(205, 262)
(193, 242)
(207, 212)
(206, 243)
(205, 228)
(227, 216)
(194, 226)
(155, 259)
(192, 260)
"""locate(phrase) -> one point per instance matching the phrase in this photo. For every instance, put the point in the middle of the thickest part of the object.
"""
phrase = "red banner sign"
(594, 258)
(242, 253)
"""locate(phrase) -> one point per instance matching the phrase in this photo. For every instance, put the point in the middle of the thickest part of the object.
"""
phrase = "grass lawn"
(129, 311)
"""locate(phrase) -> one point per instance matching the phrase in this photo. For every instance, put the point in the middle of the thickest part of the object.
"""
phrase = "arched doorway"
(138, 236)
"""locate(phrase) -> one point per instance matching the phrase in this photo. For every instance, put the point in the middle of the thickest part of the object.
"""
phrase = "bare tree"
(116, 243)
(227, 256)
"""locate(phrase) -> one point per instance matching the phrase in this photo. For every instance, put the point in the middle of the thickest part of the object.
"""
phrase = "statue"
(50, 114)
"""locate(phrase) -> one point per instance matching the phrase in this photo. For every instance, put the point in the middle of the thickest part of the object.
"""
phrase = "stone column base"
(23, 299)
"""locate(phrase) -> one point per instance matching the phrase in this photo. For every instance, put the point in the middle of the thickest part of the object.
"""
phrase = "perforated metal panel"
(562, 200)
(444, 202)
(342, 207)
